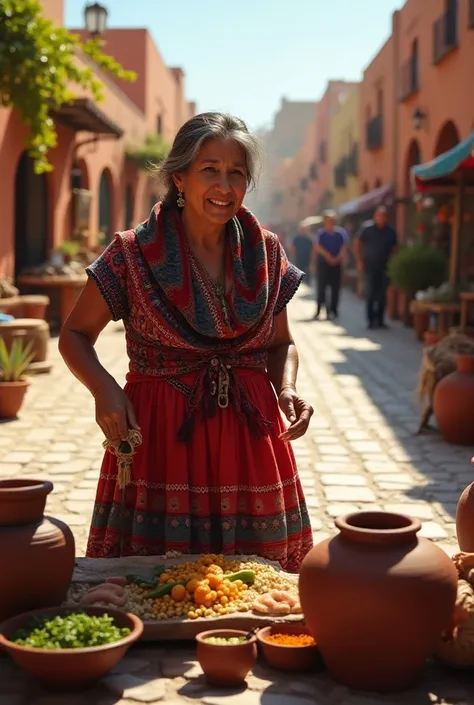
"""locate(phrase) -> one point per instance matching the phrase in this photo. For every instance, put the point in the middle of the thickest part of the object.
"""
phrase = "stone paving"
(359, 453)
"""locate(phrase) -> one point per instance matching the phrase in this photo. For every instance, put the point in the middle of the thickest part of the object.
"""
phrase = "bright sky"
(243, 56)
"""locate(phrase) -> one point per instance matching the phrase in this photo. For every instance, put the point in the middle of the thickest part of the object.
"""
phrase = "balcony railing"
(313, 172)
(353, 161)
(409, 78)
(374, 133)
(470, 16)
(340, 174)
(445, 33)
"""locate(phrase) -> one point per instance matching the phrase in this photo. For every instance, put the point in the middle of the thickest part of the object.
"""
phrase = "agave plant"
(14, 362)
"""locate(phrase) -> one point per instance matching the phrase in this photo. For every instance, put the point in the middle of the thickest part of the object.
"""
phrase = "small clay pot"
(453, 403)
(69, 669)
(12, 395)
(288, 658)
(226, 666)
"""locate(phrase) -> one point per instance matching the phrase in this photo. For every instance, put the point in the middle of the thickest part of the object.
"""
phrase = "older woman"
(202, 290)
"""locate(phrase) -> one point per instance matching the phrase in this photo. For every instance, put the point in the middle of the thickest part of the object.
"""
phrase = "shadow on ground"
(386, 365)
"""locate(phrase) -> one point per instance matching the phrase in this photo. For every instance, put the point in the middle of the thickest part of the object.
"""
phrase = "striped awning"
(443, 169)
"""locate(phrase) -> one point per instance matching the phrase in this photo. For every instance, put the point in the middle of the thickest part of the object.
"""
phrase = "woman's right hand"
(114, 412)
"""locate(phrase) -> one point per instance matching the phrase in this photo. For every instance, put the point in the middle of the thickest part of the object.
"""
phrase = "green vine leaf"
(37, 64)
(151, 153)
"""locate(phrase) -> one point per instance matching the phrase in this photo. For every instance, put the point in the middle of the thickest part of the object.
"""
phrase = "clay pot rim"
(264, 631)
(346, 524)
(25, 486)
(19, 383)
(202, 636)
(135, 623)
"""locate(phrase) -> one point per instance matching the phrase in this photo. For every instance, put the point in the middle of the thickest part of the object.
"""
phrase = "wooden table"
(467, 298)
(69, 289)
(445, 313)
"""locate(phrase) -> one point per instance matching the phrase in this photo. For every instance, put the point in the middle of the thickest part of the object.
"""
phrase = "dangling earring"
(180, 202)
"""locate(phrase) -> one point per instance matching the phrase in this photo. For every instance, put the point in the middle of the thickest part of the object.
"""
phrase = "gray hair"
(330, 214)
(192, 136)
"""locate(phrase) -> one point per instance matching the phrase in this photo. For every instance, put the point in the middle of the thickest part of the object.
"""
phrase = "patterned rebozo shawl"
(263, 280)
(166, 285)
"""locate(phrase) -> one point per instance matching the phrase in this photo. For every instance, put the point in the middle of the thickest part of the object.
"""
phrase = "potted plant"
(414, 269)
(13, 385)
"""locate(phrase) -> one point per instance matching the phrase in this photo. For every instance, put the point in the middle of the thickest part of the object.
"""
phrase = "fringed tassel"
(124, 451)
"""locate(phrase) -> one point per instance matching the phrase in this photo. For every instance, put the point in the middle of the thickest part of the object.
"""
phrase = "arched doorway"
(128, 207)
(413, 159)
(447, 139)
(105, 205)
(31, 216)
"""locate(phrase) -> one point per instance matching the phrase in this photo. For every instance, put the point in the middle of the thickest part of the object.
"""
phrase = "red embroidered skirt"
(226, 491)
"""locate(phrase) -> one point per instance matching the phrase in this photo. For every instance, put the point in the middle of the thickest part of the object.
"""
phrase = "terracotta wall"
(320, 188)
(344, 134)
(378, 96)
(444, 95)
(134, 108)
(54, 10)
(159, 91)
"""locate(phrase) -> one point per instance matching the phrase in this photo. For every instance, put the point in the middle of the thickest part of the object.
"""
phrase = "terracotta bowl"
(288, 658)
(68, 669)
(226, 665)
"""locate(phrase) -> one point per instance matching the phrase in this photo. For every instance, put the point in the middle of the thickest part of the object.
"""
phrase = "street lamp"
(95, 17)
(418, 118)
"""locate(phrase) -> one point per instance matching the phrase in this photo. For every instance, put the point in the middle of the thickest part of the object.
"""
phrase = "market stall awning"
(444, 169)
(83, 115)
(382, 196)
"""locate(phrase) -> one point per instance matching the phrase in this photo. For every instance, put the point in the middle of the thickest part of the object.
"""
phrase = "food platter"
(93, 571)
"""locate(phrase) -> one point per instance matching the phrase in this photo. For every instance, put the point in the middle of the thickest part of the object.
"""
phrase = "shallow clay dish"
(226, 665)
(69, 668)
(289, 658)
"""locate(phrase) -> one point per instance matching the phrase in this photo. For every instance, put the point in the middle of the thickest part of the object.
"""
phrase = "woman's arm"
(283, 370)
(79, 335)
(114, 411)
(283, 356)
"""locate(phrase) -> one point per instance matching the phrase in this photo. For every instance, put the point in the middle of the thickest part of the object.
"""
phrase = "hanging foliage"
(151, 153)
(37, 67)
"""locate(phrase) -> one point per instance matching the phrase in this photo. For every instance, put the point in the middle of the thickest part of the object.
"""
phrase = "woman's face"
(215, 185)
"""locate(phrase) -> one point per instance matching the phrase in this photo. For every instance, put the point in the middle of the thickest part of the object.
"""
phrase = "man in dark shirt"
(330, 248)
(374, 246)
(302, 250)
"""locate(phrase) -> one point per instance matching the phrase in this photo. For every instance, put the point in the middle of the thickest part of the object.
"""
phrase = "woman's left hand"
(297, 411)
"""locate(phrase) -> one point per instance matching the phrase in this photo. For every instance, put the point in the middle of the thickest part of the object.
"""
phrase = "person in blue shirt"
(330, 250)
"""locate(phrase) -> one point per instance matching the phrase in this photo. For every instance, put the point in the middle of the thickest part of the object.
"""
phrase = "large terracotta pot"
(377, 598)
(465, 520)
(37, 553)
(453, 403)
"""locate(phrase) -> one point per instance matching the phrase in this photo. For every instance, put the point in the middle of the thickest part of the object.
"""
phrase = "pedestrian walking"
(302, 250)
(374, 245)
(202, 289)
(330, 250)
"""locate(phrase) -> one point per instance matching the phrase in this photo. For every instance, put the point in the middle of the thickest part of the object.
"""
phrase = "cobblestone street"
(360, 452)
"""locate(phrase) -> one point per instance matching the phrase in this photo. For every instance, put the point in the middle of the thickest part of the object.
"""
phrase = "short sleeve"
(362, 234)
(109, 273)
(290, 280)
